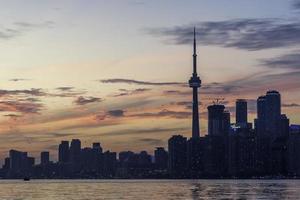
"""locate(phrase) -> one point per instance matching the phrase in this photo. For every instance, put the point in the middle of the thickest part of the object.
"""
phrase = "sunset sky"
(116, 71)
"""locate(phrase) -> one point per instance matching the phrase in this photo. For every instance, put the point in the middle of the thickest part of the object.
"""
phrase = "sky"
(116, 71)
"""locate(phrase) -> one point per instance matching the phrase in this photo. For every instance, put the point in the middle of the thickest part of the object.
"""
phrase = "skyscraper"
(44, 157)
(241, 112)
(216, 118)
(195, 83)
(269, 115)
(75, 150)
(177, 147)
(260, 125)
(63, 152)
(273, 113)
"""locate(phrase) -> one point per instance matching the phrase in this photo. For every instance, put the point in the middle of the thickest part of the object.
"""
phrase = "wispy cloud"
(33, 92)
(21, 107)
(288, 61)
(290, 105)
(67, 91)
(18, 79)
(151, 141)
(21, 27)
(138, 82)
(87, 100)
(126, 92)
(14, 116)
(144, 131)
(65, 88)
(296, 4)
(247, 34)
(164, 113)
(187, 104)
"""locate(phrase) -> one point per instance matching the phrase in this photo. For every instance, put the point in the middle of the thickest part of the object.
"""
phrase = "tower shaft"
(195, 123)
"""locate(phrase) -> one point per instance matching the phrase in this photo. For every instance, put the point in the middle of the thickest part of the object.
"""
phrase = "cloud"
(146, 131)
(67, 91)
(58, 135)
(290, 105)
(33, 92)
(246, 34)
(288, 61)
(187, 104)
(152, 141)
(18, 79)
(21, 107)
(164, 113)
(125, 92)
(13, 116)
(65, 88)
(19, 28)
(33, 25)
(137, 82)
(116, 113)
(296, 4)
(177, 92)
(87, 100)
(30, 99)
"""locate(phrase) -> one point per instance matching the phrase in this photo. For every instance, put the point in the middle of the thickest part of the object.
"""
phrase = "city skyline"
(268, 147)
(62, 77)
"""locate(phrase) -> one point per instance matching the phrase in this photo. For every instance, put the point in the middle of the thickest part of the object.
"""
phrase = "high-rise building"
(268, 122)
(273, 113)
(241, 114)
(161, 158)
(63, 152)
(260, 121)
(75, 149)
(177, 148)
(216, 120)
(44, 157)
(195, 83)
(17, 160)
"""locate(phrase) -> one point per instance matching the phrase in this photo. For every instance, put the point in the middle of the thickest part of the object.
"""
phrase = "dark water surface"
(149, 189)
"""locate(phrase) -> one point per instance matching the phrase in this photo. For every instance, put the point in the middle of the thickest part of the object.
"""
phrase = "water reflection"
(150, 189)
(245, 189)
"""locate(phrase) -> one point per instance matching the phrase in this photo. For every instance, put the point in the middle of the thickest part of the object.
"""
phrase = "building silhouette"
(216, 120)
(241, 113)
(161, 158)
(63, 152)
(45, 158)
(177, 147)
(273, 113)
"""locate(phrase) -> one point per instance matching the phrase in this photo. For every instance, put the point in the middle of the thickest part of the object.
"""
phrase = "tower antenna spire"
(195, 53)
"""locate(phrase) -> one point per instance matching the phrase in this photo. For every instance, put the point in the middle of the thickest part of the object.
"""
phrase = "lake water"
(149, 189)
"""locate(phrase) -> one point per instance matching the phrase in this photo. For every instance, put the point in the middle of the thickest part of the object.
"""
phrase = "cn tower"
(195, 83)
